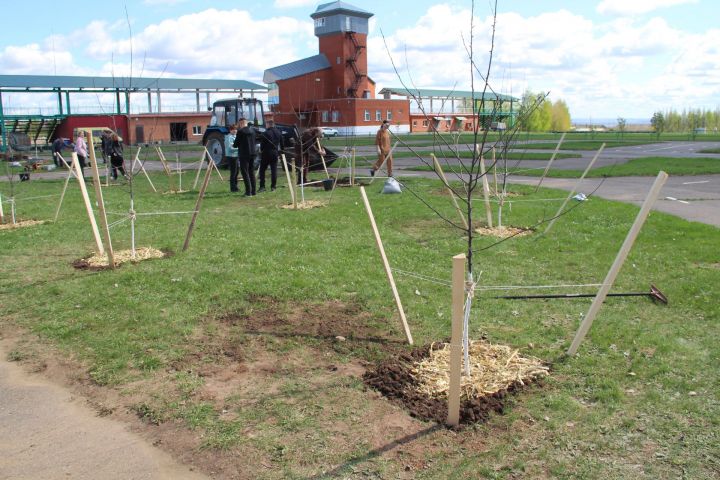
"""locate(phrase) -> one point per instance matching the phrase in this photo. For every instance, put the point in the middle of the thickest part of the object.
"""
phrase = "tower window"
(347, 24)
(319, 22)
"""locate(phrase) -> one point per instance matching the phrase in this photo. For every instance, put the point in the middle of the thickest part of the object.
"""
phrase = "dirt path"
(45, 432)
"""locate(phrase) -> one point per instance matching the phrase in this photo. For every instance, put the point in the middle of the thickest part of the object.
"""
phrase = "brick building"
(333, 88)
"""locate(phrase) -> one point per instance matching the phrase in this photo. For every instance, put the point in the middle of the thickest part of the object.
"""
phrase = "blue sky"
(605, 58)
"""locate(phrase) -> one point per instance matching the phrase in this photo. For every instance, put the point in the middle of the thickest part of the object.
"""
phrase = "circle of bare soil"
(85, 263)
(394, 379)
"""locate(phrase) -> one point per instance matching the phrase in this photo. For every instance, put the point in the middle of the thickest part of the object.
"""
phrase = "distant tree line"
(686, 121)
(548, 116)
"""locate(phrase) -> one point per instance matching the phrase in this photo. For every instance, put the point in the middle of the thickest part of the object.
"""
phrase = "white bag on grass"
(391, 186)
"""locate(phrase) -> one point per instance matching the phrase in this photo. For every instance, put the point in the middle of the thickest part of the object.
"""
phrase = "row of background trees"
(548, 116)
(555, 116)
(686, 121)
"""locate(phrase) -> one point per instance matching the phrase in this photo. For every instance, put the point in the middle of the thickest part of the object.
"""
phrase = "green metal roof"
(427, 92)
(53, 82)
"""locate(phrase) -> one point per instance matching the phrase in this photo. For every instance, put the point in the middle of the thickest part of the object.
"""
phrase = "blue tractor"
(227, 112)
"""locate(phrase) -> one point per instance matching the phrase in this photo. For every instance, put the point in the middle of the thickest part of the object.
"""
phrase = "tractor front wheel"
(216, 147)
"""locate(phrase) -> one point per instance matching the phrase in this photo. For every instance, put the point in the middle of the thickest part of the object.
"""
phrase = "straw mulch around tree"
(121, 256)
(419, 381)
(503, 232)
(21, 224)
(306, 205)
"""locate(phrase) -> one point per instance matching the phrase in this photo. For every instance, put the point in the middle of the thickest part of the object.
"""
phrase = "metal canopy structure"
(489, 107)
(42, 126)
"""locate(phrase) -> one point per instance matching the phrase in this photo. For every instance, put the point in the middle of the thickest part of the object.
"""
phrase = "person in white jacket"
(81, 150)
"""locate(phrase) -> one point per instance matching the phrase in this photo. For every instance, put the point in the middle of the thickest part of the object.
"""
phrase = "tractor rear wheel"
(216, 147)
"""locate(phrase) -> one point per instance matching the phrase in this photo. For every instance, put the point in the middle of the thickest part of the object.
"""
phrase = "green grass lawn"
(648, 166)
(178, 338)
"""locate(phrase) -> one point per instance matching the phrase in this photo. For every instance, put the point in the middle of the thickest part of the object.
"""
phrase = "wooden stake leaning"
(2, 213)
(618, 263)
(198, 203)
(291, 187)
(552, 159)
(441, 173)
(67, 181)
(494, 164)
(161, 156)
(322, 158)
(388, 272)
(352, 169)
(142, 168)
(486, 191)
(88, 206)
(101, 205)
(572, 192)
(217, 170)
(458, 296)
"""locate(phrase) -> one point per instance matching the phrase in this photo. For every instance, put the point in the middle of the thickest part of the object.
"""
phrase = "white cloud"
(33, 60)
(600, 69)
(294, 3)
(636, 7)
(211, 44)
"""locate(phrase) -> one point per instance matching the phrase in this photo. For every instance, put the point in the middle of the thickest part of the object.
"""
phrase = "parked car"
(329, 132)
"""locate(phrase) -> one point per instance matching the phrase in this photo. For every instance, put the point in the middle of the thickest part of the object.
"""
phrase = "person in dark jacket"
(57, 147)
(116, 156)
(271, 142)
(245, 143)
(308, 145)
(106, 144)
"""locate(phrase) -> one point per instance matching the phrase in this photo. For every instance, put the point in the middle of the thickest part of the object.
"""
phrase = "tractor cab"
(226, 113)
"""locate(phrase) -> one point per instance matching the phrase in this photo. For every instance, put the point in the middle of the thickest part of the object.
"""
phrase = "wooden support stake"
(67, 181)
(618, 263)
(101, 206)
(388, 272)
(352, 169)
(384, 160)
(2, 213)
(486, 191)
(200, 165)
(289, 176)
(494, 164)
(458, 297)
(88, 206)
(161, 156)
(322, 158)
(552, 159)
(572, 192)
(439, 170)
(217, 170)
(198, 203)
(142, 169)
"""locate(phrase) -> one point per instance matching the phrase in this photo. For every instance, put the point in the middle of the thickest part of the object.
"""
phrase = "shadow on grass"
(376, 452)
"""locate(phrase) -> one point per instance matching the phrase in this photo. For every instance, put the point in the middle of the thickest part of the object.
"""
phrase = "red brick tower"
(342, 31)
